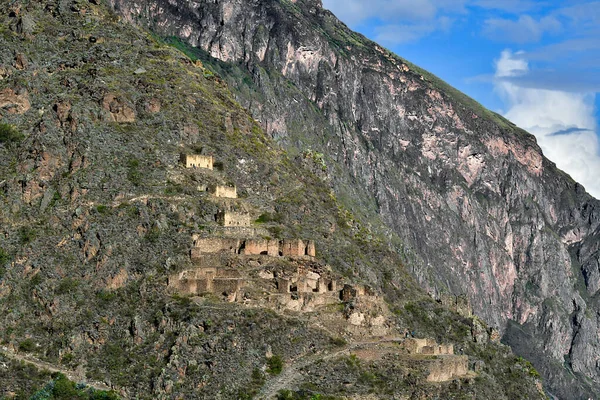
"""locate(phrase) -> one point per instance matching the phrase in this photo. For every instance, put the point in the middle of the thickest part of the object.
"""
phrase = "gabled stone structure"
(230, 218)
(448, 368)
(215, 245)
(207, 280)
(197, 161)
(351, 292)
(427, 347)
(254, 247)
(227, 192)
(297, 247)
(307, 280)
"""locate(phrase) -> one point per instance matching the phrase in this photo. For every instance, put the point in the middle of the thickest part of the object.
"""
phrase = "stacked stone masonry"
(227, 192)
(235, 219)
(207, 280)
(459, 304)
(351, 292)
(197, 161)
(427, 347)
(448, 368)
(250, 247)
(309, 282)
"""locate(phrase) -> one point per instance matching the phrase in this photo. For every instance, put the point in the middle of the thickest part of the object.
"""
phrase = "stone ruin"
(228, 192)
(364, 310)
(448, 368)
(197, 161)
(235, 219)
(208, 280)
(306, 282)
(427, 347)
(252, 247)
(459, 304)
(351, 292)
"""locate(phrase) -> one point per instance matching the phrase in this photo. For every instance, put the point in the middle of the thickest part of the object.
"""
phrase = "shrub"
(55, 199)
(9, 134)
(68, 358)
(4, 257)
(274, 365)
(339, 342)
(102, 209)
(174, 188)
(133, 171)
(27, 345)
(256, 382)
(268, 217)
(63, 388)
(26, 235)
(153, 234)
(35, 280)
(106, 295)
(67, 285)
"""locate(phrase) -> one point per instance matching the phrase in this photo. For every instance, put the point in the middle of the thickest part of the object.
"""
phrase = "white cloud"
(356, 11)
(524, 30)
(514, 6)
(587, 13)
(397, 34)
(393, 12)
(394, 34)
(563, 122)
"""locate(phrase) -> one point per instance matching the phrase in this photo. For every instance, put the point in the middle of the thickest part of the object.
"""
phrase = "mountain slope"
(478, 208)
(124, 265)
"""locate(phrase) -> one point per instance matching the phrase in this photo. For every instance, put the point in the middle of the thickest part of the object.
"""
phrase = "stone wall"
(459, 304)
(416, 346)
(197, 161)
(230, 218)
(298, 247)
(207, 280)
(250, 247)
(427, 347)
(215, 245)
(226, 286)
(261, 246)
(228, 192)
(351, 292)
(283, 285)
(448, 368)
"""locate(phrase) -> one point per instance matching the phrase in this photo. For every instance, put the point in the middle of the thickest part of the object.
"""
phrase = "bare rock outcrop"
(511, 230)
(15, 101)
(118, 109)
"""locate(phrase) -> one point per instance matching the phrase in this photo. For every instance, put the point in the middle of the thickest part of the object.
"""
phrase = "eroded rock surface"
(15, 101)
(470, 195)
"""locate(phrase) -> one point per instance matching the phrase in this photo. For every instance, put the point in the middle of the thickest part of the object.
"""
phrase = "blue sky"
(536, 62)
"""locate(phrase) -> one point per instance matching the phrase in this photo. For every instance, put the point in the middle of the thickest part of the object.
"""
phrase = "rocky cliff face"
(118, 265)
(479, 209)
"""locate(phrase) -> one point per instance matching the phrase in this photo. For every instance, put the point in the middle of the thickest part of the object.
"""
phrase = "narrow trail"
(42, 365)
(292, 372)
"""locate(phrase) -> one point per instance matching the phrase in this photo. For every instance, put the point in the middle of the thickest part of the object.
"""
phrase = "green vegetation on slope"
(61, 388)
(98, 214)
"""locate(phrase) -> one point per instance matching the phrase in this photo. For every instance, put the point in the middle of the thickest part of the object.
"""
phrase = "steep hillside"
(477, 207)
(156, 242)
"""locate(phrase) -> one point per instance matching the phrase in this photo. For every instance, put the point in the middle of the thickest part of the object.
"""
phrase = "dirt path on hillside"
(42, 365)
(292, 373)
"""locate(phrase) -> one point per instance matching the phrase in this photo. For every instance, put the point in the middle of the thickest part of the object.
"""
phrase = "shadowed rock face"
(478, 207)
